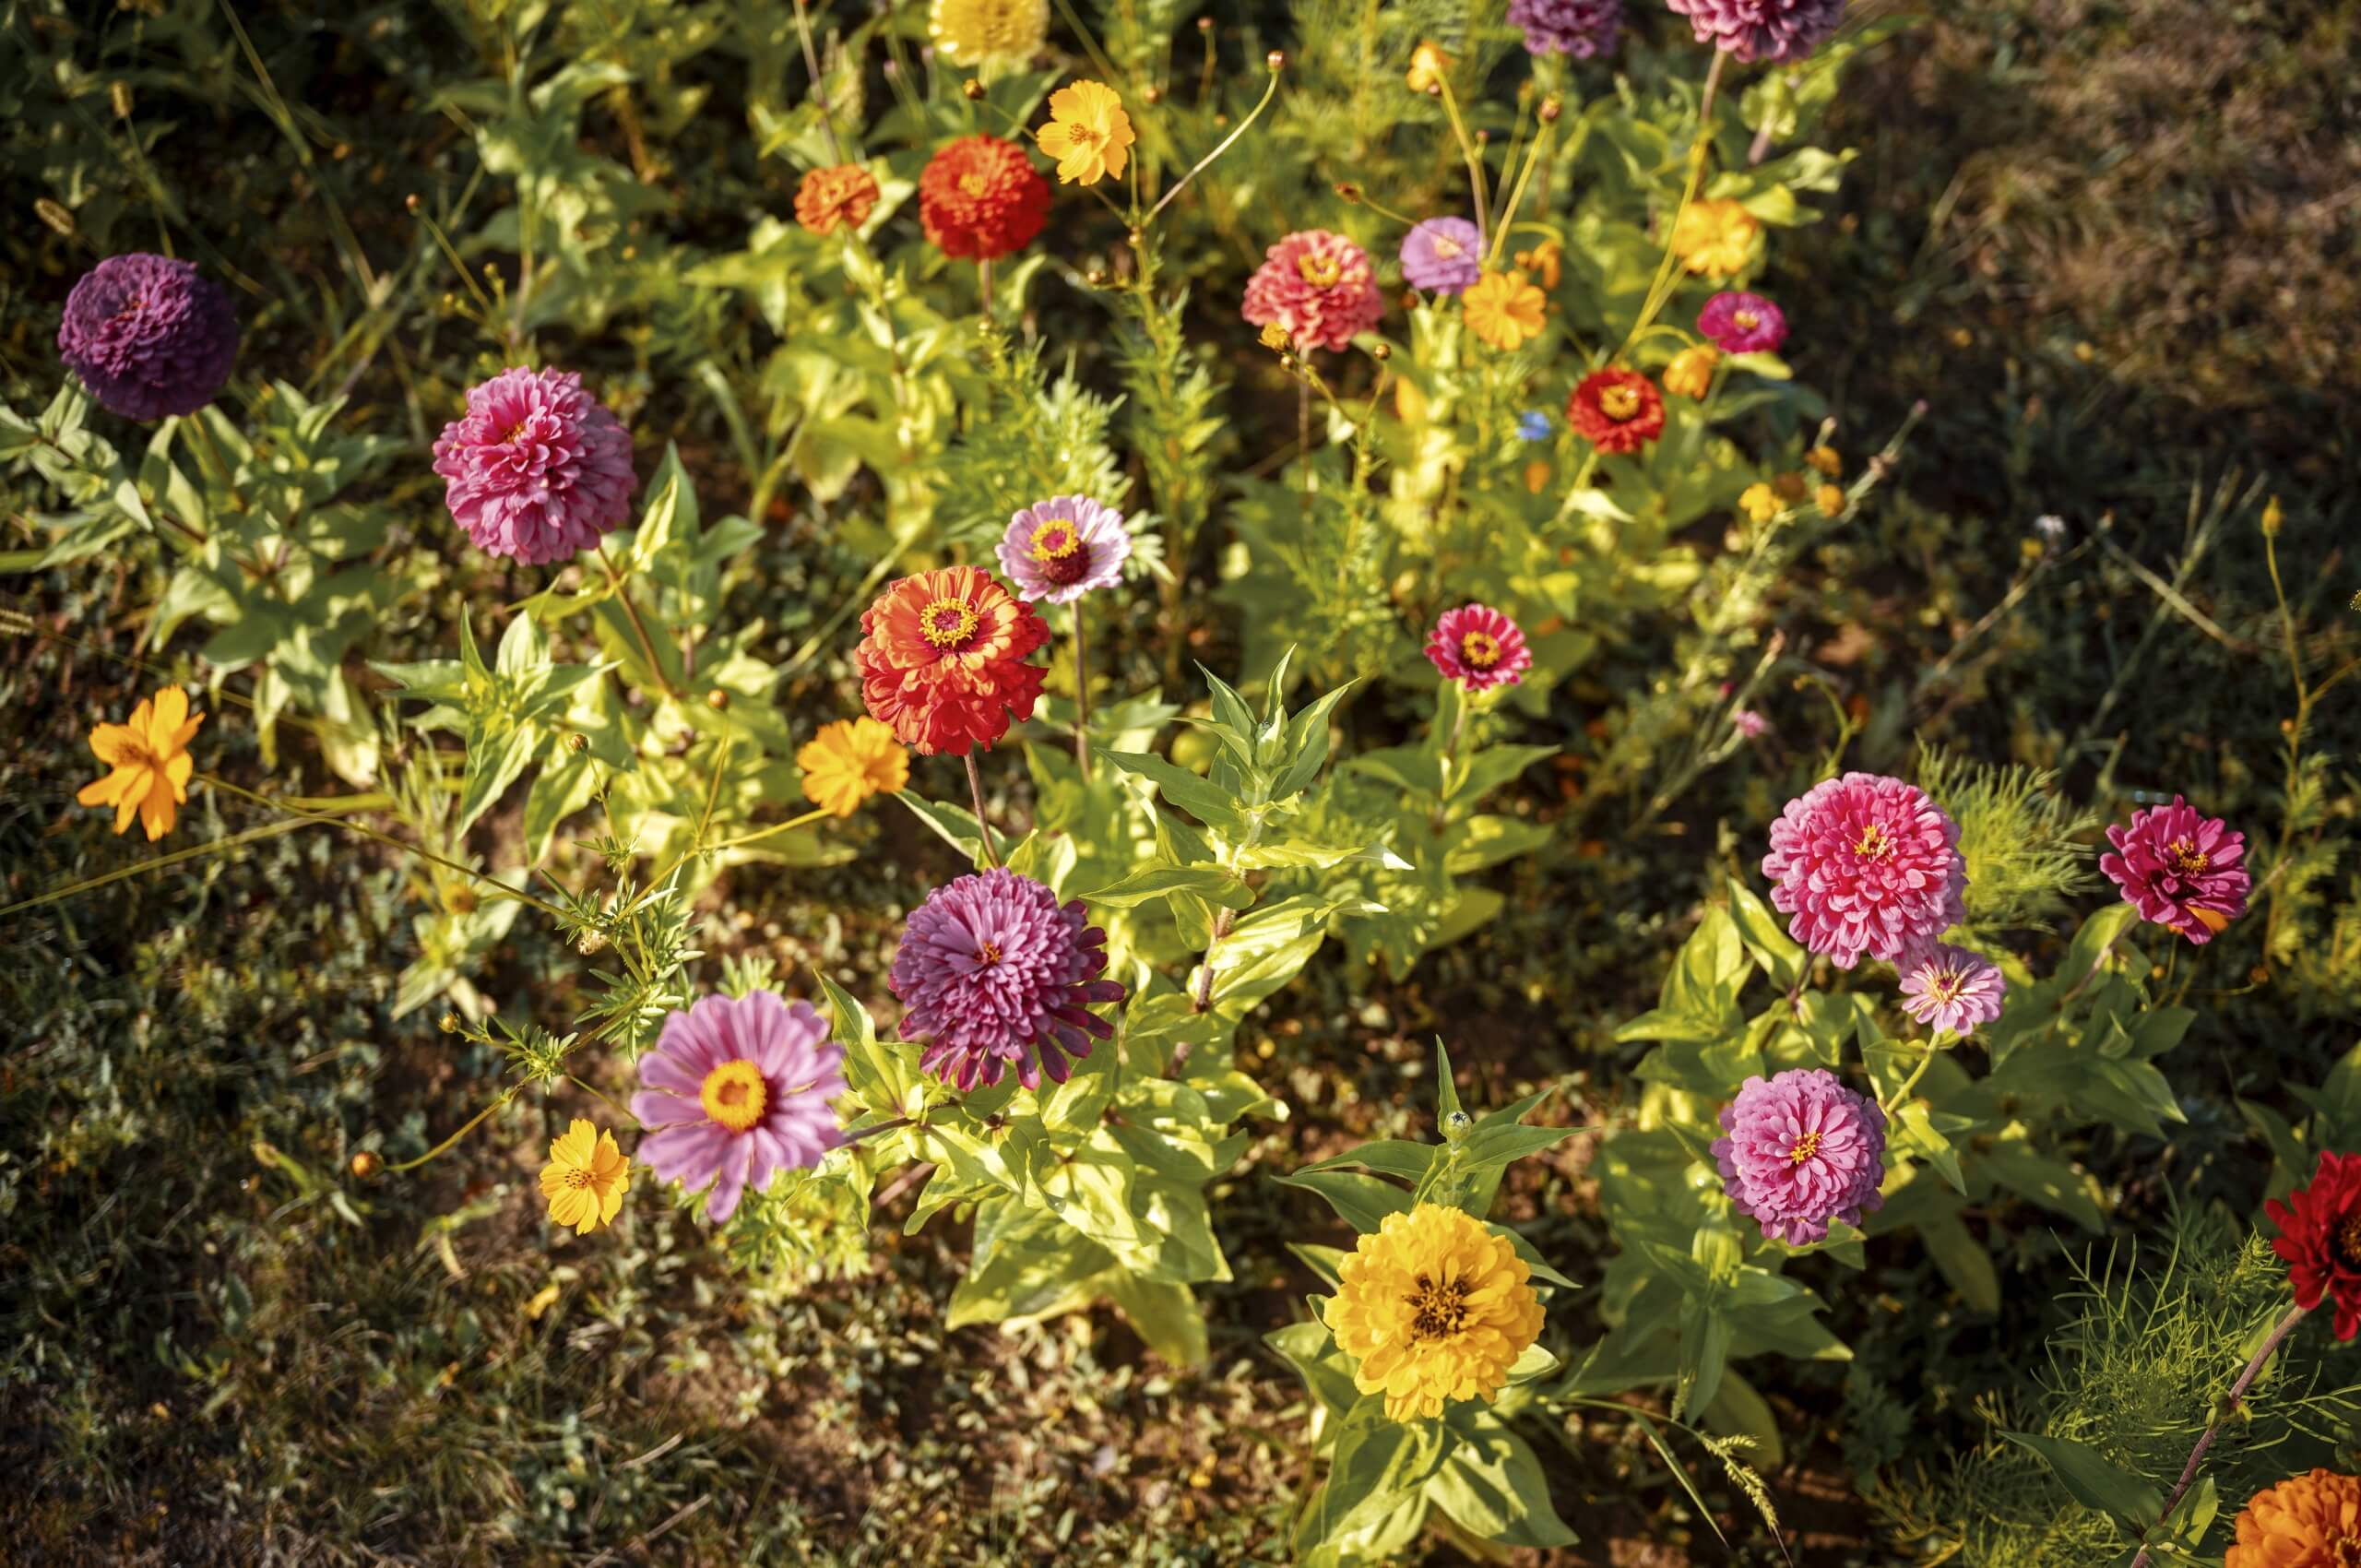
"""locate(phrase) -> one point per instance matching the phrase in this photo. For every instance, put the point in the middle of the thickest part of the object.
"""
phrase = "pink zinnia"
(539, 468)
(1480, 648)
(995, 971)
(1058, 549)
(1319, 286)
(2180, 870)
(1866, 864)
(1950, 987)
(736, 1091)
(1802, 1149)
(1740, 323)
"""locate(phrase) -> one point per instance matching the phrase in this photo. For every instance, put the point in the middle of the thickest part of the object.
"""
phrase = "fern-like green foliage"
(2025, 846)
(1033, 438)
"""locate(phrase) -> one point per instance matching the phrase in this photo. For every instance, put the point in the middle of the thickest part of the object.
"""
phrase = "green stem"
(976, 792)
(638, 626)
(1269, 92)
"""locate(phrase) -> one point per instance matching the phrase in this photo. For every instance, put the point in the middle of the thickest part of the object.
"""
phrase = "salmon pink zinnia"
(1865, 866)
(1319, 286)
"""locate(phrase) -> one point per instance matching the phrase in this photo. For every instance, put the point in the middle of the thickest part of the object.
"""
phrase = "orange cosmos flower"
(150, 757)
(942, 660)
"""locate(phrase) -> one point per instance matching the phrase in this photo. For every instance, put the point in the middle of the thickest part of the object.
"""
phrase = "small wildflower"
(2050, 526)
(1749, 724)
(1432, 1307)
(1532, 425)
(1478, 648)
(1536, 476)
(1691, 373)
(1714, 238)
(1427, 64)
(1740, 323)
(1950, 987)
(1504, 310)
(1274, 337)
(585, 1179)
(150, 762)
(1830, 500)
(1826, 459)
(1088, 134)
(850, 761)
(1759, 503)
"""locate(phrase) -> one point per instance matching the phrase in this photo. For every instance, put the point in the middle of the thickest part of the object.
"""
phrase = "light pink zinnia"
(1319, 286)
(2180, 870)
(539, 468)
(1058, 549)
(736, 1091)
(1802, 1149)
(1866, 864)
(1480, 648)
(1950, 987)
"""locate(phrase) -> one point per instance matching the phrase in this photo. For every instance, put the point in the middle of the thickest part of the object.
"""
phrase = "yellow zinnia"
(1715, 237)
(1691, 373)
(1830, 500)
(989, 32)
(849, 760)
(2302, 1521)
(1503, 309)
(1433, 1307)
(151, 763)
(1088, 133)
(585, 1178)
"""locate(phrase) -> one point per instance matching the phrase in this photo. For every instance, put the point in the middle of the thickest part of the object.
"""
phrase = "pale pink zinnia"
(1318, 286)
(537, 469)
(736, 1090)
(1480, 648)
(1866, 865)
(1950, 987)
(1801, 1150)
(2180, 870)
(1058, 549)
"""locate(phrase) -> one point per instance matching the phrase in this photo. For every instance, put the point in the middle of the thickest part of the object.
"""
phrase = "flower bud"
(1349, 191)
(54, 214)
(578, 742)
(718, 700)
(119, 95)
(1381, 353)
(1427, 64)
(366, 1164)
(2273, 518)
(973, 89)
(1152, 94)
(410, 202)
(1277, 60)
(1550, 109)
(1096, 276)
(449, 1024)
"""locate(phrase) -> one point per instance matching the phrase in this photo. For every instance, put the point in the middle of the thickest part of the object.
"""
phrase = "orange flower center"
(1436, 1311)
(734, 1095)
(1082, 135)
(1746, 319)
(1618, 402)
(1873, 845)
(948, 622)
(1479, 649)
(2348, 1242)
(974, 184)
(1806, 1147)
(2188, 859)
(577, 1177)
(1320, 271)
(987, 953)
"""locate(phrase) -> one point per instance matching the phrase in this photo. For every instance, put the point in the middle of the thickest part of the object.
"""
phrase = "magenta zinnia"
(2180, 870)
(537, 469)
(1802, 1149)
(1866, 865)
(1480, 648)
(1058, 549)
(1950, 987)
(1739, 322)
(736, 1091)
(995, 971)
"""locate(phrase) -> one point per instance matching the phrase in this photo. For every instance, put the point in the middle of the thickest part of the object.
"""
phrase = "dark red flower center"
(1061, 551)
(2348, 1241)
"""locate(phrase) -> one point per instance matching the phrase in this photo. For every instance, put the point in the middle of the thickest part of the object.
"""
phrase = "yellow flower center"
(972, 183)
(947, 623)
(1619, 402)
(515, 434)
(1320, 271)
(734, 1095)
(1746, 319)
(1055, 541)
(987, 953)
(1944, 985)
(1445, 248)
(2186, 858)
(1873, 845)
(1437, 1310)
(578, 1177)
(1806, 1147)
(1479, 649)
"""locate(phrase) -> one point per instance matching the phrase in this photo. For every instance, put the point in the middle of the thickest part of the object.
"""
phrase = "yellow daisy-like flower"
(585, 1178)
(2304, 1521)
(1691, 373)
(1427, 64)
(1433, 1307)
(150, 757)
(1825, 459)
(849, 760)
(1088, 134)
(1759, 503)
(989, 32)
(1544, 261)
(1715, 238)
(1503, 309)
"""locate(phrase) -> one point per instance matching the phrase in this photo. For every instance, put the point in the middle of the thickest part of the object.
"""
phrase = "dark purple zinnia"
(149, 337)
(1761, 30)
(993, 971)
(1584, 28)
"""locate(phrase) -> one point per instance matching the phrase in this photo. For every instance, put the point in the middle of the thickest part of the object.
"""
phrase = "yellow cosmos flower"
(1691, 373)
(2304, 1521)
(585, 1178)
(1433, 1307)
(849, 760)
(1503, 309)
(1088, 134)
(1427, 64)
(1759, 503)
(1825, 459)
(1715, 238)
(150, 757)
(989, 32)
(1544, 261)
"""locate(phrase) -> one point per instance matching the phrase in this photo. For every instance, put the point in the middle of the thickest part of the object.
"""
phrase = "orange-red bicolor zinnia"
(942, 660)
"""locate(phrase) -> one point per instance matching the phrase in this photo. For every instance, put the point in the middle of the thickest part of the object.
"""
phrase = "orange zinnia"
(843, 195)
(942, 660)
(150, 757)
(2304, 1521)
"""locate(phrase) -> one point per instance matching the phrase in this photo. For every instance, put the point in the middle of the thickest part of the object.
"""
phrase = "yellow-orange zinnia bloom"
(585, 1178)
(1691, 373)
(846, 194)
(1503, 309)
(1715, 238)
(151, 763)
(1088, 133)
(2304, 1521)
(989, 32)
(1432, 1306)
(849, 760)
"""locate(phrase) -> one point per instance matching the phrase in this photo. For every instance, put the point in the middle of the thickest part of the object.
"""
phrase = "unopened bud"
(410, 202)
(1550, 110)
(366, 1164)
(1205, 24)
(54, 216)
(449, 1024)
(1096, 276)
(1349, 191)
(2273, 518)
(1277, 60)
(578, 742)
(1134, 238)
(973, 89)
(590, 943)
(718, 700)
(1152, 94)
(1381, 353)
(1427, 64)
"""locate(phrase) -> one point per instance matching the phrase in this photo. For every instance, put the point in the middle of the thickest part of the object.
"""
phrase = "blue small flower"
(1532, 424)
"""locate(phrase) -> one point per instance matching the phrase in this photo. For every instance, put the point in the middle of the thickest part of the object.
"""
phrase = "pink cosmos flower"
(1739, 322)
(2180, 870)
(1058, 549)
(736, 1091)
(1802, 1149)
(1480, 648)
(1950, 987)
(537, 469)
(1318, 286)
(1866, 864)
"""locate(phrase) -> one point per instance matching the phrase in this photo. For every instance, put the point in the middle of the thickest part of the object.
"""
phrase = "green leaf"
(1167, 1316)
(1305, 745)
(2096, 1482)
(1210, 883)
(1963, 1262)
(1780, 955)
(1207, 803)
(955, 825)
(1492, 1485)
(1362, 1202)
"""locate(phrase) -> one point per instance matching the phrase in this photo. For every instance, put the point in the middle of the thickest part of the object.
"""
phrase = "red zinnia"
(2320, 1238)
(1616, 410)
(942, 660)
(980, 197)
